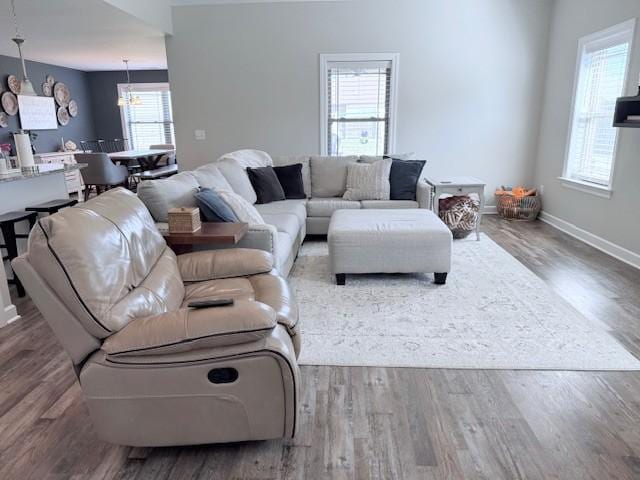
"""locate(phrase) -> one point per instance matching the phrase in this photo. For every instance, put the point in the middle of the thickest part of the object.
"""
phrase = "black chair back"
(115, 145)
(92, 146)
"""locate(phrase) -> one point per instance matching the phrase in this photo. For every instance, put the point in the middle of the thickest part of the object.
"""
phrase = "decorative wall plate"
(14, 84)
(47, 89)
(50, 80)
(73, 108)
(61, 94)
(63, 116)
(4, 121)
(9, 103)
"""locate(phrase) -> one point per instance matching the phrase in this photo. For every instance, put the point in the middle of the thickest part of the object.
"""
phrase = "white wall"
(617, 219)
(471, 75)
(156, 13)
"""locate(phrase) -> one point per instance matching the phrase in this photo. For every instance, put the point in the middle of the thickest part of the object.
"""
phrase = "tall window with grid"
(358, 103)
(150, 122)
(603, 62)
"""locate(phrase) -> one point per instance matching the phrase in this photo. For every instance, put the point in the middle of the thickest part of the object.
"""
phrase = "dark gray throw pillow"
(290, 177)
(404, 178)
(212, 207)
(266, 184)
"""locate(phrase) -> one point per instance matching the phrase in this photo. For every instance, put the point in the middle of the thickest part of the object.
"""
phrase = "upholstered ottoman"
(389, 241)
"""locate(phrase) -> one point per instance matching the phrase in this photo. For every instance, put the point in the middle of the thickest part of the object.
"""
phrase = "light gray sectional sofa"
(287, 222)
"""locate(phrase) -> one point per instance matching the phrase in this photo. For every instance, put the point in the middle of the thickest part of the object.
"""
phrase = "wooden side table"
(457, 186)
(209, 234)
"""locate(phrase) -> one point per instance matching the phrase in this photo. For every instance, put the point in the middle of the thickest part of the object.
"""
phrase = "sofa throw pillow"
(329, 175)
(290, 177)
(237, 177)
(213, 208)
(266, 184)
(241, 208)
(368, 181)
(404, 178)
(283, 161)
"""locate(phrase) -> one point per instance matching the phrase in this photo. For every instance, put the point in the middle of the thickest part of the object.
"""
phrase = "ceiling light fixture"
(128, 98)
(26, 88)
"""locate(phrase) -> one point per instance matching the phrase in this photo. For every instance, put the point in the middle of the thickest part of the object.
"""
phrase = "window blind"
(358, 107)
(151, 122)
(601, 79)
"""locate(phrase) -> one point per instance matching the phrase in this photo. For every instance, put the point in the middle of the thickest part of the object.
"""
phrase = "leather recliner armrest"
(234, 262)
(191, 329)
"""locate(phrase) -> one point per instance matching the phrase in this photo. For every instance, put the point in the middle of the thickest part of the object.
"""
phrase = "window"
(603, 62)
(151, 122)
(358, 98)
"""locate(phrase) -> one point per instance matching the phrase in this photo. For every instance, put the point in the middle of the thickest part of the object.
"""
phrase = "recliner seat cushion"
(192, 329)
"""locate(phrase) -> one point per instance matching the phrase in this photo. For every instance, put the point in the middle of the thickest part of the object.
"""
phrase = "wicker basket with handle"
(519, 208)
(184, 220)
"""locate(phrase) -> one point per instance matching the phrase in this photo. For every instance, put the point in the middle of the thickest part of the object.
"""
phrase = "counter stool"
(52, 206)
(8, 226)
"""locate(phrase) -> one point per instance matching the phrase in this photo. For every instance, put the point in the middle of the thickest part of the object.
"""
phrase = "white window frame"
(123, 91)
(628, 30)
(326, 58)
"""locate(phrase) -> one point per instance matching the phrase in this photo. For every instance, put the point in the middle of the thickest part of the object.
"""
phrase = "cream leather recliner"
(153, 371)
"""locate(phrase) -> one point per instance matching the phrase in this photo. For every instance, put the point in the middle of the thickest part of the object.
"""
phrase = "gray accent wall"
(104, 97)
(470, 82)
(616, 219)
(79, 128)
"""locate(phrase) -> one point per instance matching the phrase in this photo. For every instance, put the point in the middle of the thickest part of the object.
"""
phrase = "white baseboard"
(490, 210)
(610, 248)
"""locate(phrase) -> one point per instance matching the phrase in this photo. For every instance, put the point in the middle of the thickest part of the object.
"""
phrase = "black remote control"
(223, 302)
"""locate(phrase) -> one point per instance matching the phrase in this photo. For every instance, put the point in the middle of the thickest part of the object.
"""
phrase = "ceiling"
(83, 34)
(222, 2)
(94, 35)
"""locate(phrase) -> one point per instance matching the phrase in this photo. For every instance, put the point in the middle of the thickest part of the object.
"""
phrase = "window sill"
(586, 187)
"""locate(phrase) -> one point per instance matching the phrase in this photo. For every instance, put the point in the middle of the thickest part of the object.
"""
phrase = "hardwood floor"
(371, 423)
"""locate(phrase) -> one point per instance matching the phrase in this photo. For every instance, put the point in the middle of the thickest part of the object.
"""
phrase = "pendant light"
(26, 88)
(128, 98)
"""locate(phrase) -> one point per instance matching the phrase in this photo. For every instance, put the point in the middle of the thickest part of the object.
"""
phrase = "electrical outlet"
(200, 134)
(541, 189)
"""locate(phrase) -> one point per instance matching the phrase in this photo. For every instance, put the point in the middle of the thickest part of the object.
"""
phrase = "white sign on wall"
(37, 113)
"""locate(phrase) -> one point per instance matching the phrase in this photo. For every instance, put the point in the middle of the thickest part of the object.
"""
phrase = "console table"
(208, 234)
(457, 186)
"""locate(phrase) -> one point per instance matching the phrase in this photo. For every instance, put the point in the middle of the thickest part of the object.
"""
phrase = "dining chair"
(101, 173)
(115, 145)
(167, 158)
(92, 146)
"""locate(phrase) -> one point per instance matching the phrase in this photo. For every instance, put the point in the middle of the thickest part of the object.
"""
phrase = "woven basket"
(184, 220)
(519, 208)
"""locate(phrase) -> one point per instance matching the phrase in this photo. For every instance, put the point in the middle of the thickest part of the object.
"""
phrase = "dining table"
(147, 158)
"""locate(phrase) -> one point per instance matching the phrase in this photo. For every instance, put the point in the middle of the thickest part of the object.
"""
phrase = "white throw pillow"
(244, 210)
(368, 181)
(249, 158)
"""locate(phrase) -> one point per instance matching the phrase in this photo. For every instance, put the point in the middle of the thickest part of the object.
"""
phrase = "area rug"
(493, 313)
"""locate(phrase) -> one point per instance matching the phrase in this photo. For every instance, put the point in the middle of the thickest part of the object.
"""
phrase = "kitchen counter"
(17, 192)
(45, 169)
